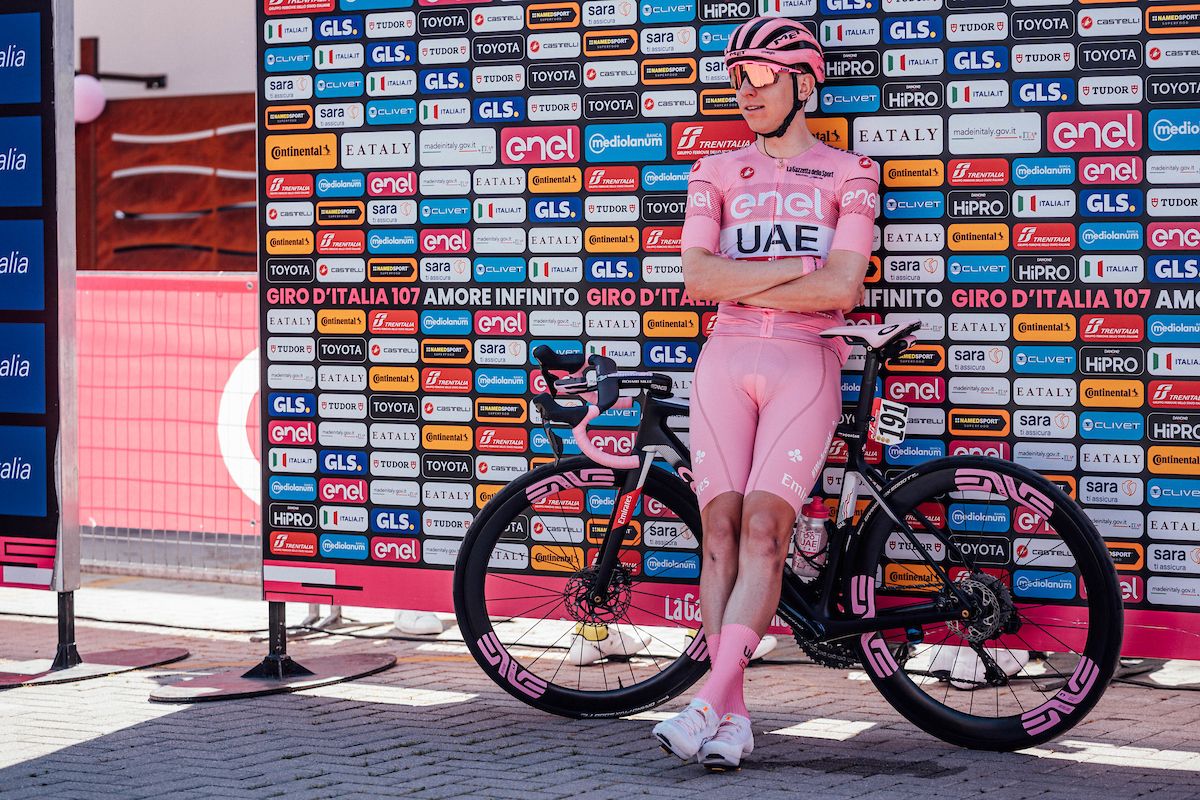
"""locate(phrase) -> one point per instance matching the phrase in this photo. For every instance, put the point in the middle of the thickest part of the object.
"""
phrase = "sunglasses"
(760, 75)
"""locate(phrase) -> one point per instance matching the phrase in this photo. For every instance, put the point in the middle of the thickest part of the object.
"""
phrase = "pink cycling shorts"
(766, 398)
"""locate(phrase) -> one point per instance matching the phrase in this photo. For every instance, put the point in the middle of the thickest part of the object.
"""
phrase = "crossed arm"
(779, 284)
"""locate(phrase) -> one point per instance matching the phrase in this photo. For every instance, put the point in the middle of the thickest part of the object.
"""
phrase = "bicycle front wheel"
(1045, 635)
(521, 592)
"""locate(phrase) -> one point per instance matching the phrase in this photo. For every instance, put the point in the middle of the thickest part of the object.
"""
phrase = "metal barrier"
(168, 428)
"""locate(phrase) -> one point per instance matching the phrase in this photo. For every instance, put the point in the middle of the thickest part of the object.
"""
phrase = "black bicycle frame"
(822, 620)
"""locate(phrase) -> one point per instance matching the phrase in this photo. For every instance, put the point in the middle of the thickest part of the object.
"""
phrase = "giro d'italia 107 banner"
(446, 186)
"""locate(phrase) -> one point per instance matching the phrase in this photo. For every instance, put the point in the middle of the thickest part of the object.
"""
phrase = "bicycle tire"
(1093, 569)
(509, 671)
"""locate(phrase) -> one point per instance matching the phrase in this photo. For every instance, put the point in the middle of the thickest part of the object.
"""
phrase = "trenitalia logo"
(1044, 236)
(694, 141)
(617, 178)
(1174, 394)
(1111, 328)
(1095, 131)
(978, 172)
(540, 145)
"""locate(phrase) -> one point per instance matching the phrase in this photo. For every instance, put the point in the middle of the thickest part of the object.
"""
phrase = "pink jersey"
(747, 205)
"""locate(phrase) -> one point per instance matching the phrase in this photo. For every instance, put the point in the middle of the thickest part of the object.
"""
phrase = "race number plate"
(890, 420)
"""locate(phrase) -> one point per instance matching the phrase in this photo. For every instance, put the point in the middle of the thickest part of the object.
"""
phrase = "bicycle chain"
(835, 655)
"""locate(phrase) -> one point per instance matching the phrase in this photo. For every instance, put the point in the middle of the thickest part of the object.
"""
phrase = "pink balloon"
(89, 99)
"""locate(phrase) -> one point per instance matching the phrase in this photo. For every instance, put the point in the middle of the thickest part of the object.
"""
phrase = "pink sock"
(712, 639)
(723, 689)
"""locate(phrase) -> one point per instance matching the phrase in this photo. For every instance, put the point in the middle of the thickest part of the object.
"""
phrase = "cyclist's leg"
(724, 416)
(800, 409)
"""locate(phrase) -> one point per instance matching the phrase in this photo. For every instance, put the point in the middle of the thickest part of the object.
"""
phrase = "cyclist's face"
(765, 109)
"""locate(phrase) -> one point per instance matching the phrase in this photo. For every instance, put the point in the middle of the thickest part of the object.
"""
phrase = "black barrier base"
(276, 673)
(320, 670)
(96, 665)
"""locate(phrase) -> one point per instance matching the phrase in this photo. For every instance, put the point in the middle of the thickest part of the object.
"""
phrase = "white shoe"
(732, 742)
(419, 623)
(594, 642)
(683, 734)
(765, 645)
(967, 670)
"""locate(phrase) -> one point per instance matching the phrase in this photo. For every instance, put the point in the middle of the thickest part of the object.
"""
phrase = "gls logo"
(499, 109)
(333, 28)
(1044, 92)
(976, 60)
(913, 29)
(444, 81)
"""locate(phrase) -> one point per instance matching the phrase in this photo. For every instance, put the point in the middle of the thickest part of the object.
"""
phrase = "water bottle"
(809, 539)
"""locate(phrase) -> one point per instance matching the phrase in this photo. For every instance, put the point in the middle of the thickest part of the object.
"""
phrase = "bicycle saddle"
(875, 337)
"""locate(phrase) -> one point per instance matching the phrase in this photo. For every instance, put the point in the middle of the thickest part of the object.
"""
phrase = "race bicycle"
(962, 557)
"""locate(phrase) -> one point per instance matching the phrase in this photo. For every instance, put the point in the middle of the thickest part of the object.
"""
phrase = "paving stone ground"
(435, 727)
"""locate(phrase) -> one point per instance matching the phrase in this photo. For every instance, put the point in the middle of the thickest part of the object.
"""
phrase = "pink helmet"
(776, 40)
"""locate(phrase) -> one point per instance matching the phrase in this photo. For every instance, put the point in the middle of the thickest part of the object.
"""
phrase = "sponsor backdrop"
(30, 302)
(445, 186)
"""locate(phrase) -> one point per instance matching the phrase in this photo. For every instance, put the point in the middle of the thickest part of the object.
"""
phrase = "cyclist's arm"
(838, 285)
(711, 277)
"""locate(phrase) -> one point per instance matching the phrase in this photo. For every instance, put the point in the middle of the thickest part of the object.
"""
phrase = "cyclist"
(780, 233)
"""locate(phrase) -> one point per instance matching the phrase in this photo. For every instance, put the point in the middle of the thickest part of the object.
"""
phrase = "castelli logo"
(747, 173)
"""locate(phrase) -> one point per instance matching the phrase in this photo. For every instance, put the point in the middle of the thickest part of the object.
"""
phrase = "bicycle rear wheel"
(1042, 648)
(520, 591)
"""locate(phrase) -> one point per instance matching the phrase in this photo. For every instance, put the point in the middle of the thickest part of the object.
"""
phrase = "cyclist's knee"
(765, 528)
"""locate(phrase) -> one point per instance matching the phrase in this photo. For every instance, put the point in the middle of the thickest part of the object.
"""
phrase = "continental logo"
(597, 529)
(446, 351)
(978, 422)
(914, 173)
(718, 102)
(548, 16)
(977, 237)
(1127, 557)
(446, 437)
(341, 213)
(289, 118)
(611, 240)
(394, 379)
(556, 558)
(392, 270)
(1173, 19)
(1112, 394)
(495, 409)
(289, 242)
(610, 43)
(1044, 328)
(340, 320)
(301, 153)
(555, 179)
(662, 71)
(920, 358)
(833, 131)
(911, 577)
(484, 493)
(671, 324)
(1174, 460)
